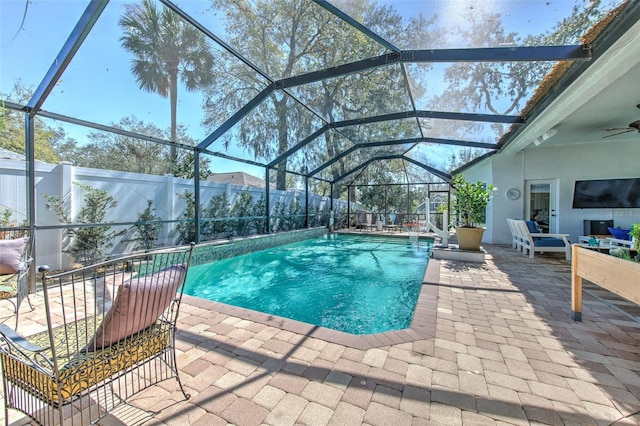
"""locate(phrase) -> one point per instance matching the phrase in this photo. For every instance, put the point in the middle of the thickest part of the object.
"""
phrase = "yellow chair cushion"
(79, 370)
(8, 286)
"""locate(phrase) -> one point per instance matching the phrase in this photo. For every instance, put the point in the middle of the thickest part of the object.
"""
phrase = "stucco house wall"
(565, 164)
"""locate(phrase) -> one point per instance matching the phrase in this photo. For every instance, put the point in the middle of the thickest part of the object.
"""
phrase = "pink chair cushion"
(139, 303)
(11, 255)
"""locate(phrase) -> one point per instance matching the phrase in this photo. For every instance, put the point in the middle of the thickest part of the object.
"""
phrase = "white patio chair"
(540, 242)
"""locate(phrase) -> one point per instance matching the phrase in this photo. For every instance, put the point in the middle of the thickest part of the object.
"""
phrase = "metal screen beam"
(474, 161)
(69, 49)
(397, 184)
(394, 142)
(403, 142)
(442, 175)
(111, 129)
(440, 115)
(365, 164)
(333, 160)
(500, 54)
(350, 68)
(267, 200)
(355, 24)
(489, 54)
(12, 105)
(299, 145)
(431, 140)
(230, 157)
(306, 201)
(215, 38)
(235, 118)
(355, 169)
(464, 116)
(363, 146)
(196, 193)
(30, 154)
(459, 143)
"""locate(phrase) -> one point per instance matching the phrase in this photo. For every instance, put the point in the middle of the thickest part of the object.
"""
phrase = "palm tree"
(166, 48)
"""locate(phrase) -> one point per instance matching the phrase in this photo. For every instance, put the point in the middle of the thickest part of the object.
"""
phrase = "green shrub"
(218, 212)
(89, 242)
(241, 210)
(147, 233)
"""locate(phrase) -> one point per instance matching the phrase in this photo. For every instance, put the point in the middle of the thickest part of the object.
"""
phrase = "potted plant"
(471, 202)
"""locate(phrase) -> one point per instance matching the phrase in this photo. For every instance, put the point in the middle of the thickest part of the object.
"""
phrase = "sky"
(99, 87)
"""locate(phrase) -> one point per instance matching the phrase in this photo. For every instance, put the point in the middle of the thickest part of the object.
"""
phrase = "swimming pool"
(356, 284)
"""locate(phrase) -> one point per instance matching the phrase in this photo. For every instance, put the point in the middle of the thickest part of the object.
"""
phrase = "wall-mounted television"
(607, 194)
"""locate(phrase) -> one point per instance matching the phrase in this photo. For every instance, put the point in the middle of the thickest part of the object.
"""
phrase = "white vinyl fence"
(131, 191)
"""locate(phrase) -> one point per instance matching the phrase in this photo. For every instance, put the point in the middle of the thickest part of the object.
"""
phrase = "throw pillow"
(533, 227)
(620, 234)
(11, 255)
(139, 303)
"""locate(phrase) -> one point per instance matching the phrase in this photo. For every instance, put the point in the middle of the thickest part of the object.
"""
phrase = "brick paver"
(498, 347)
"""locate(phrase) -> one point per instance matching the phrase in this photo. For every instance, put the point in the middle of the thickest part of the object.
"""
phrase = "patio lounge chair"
(14, 269)
(110, 333)
(516, 238)
(363, 220)
(392, 225)
(535, 241)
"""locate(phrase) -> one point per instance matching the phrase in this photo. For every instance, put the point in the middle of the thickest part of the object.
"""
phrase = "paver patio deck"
(505, 351)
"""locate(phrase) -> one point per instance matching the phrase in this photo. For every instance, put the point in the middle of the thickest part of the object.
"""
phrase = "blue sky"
(98, 85)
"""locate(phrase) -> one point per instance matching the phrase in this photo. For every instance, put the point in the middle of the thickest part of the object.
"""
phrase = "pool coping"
(423, 325)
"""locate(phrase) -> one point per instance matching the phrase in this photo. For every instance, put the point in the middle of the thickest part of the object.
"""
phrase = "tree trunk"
(336, 192)
(352, 194)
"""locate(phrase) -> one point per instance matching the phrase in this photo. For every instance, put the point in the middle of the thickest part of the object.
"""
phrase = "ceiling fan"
(632, 126)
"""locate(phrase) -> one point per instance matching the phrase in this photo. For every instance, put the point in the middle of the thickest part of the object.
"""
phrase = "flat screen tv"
(607, 193)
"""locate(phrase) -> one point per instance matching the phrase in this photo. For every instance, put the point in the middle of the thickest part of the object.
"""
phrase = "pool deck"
(504, 350)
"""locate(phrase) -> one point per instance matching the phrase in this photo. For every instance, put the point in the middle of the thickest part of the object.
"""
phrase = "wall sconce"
(546, 135)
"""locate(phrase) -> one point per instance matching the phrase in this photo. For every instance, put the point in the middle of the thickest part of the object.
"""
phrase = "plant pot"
(469, 238)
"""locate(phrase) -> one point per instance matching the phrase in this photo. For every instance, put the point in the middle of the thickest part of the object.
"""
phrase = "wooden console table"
(604, 242)
(617, 275)
(602, 239)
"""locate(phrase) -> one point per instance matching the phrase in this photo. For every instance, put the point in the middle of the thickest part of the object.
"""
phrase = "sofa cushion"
(620, 234)
(11, 255)
(533, 226)
(139, 303)
(549, 242)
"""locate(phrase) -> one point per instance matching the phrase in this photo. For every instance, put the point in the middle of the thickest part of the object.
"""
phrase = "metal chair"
(110, 333)
(15, 261)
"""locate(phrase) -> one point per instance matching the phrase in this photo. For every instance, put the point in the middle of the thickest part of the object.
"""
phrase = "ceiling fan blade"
(619, 133)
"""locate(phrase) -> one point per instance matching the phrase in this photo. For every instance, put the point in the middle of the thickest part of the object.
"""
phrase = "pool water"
(356, 284)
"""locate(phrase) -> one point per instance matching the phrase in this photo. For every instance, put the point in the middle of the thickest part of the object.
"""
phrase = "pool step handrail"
(442, 233)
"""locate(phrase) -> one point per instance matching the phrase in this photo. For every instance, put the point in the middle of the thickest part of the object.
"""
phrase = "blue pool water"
(357, 284)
